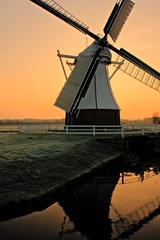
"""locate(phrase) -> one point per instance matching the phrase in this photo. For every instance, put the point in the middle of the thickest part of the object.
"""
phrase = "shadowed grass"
(33, 164)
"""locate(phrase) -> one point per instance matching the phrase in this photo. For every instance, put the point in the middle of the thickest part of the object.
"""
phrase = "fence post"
(43, 130)
(122, 132)
(27, 129)
(20, 129)
(67, 129)
(94, 132)
(156, 129)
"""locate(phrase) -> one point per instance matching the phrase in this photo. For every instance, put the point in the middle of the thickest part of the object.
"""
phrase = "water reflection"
(142, 211)
(97, 208)
(113, 204)
(88, 207)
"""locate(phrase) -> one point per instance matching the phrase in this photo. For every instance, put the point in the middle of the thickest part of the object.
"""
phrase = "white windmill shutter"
(121, 18)
(72, 85)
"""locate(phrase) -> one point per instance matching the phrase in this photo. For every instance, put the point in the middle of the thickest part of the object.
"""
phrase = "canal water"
(112, 204)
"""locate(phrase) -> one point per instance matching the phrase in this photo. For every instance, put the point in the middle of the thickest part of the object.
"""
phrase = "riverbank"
(36, 165)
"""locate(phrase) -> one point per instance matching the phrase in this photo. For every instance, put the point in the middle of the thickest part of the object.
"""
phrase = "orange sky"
(30, 72)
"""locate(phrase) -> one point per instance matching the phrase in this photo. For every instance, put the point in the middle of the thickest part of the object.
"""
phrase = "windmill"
(86, 96)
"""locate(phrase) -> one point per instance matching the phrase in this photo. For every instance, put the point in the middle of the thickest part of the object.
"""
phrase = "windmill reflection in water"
(90, 207)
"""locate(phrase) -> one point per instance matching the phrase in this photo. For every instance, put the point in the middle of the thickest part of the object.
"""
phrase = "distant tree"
(156, 118)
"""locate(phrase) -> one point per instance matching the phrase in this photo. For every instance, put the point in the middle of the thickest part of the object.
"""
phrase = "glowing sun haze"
(31, 76)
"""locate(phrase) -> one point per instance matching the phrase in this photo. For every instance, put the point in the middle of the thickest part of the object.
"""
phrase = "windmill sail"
(118, 18)
(76, 86)
(72, 85)
(139, 70)
(54, 8)
(86, 81)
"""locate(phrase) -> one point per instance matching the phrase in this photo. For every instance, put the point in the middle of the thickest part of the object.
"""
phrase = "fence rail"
(122, 130)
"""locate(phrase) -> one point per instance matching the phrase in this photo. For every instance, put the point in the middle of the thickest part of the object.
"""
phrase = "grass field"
(34, 164)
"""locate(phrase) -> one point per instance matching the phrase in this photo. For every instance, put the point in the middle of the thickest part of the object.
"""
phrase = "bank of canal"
(35, 166)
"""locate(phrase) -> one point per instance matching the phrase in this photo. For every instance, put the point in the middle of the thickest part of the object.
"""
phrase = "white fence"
(122, 130)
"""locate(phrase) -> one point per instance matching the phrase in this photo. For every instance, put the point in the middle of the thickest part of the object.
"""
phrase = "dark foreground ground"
(35, 165)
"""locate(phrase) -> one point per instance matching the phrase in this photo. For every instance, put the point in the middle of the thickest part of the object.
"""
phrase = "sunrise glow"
(31, 76)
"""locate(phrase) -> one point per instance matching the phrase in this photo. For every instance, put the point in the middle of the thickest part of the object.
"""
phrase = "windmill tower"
(87, 96)
(98, 106)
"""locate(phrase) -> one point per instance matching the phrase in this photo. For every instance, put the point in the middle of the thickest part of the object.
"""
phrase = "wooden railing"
(124, 129)
(94, 130)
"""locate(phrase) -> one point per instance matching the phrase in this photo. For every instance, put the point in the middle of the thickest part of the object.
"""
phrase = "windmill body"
(87, 96)
(99, 106)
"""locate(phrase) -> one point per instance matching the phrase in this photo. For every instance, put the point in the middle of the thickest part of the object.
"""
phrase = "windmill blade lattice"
(118, 18)
(125, 226)
(54, 8)
(72, 85)
(142, 73)
(77, 84)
